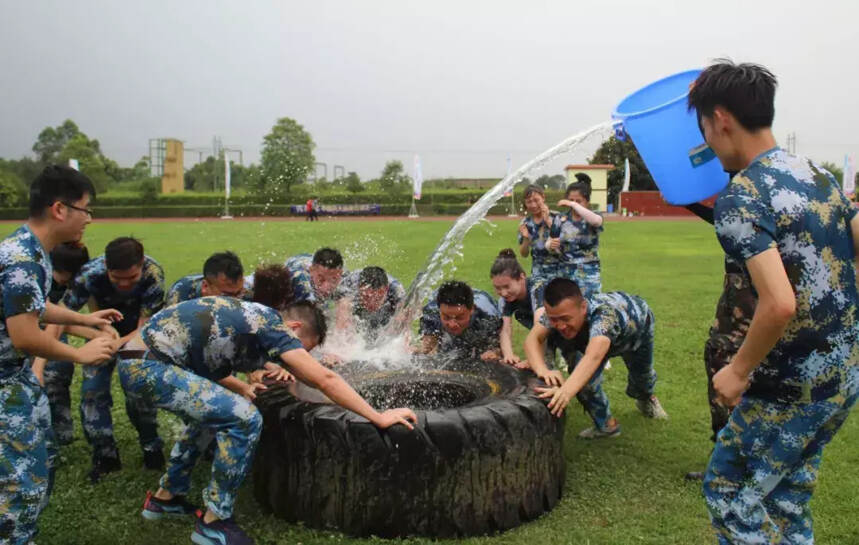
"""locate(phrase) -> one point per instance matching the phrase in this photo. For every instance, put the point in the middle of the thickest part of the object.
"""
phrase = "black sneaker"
(219, 532)
(103, 465)
(156, 509)
(154, 459)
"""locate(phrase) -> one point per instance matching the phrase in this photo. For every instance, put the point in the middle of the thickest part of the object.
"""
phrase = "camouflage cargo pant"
(764, 467)
(27, 455)
(733, 316)
(96, 402)
(58, 380)
(206, 408)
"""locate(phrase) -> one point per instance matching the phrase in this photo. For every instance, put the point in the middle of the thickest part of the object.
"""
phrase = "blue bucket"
(666, 135)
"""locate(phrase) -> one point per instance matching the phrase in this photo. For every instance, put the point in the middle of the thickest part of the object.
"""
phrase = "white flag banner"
(509, 170)
(74, 164)
(419, 178)
(849, 178)
(625, 175)
(227, 176)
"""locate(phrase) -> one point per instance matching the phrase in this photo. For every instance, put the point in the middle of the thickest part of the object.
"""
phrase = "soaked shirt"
(523, 310)
(186, 288)
(625, 319)
(543, 261)
(367, 320)
(482, 333)
(215, 336)
(25, 280)
(579, 240)
(143, 300)
(788, 203)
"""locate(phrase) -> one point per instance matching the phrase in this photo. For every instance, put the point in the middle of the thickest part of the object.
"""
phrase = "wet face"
(508, 288)
(455, 318)
(75, 216)
(125, 279)
(221, 285)
(578, 198)
(325, 280)
(372, 299)
(309, 339)
(716, 130)
(534, 203)
(568, 317)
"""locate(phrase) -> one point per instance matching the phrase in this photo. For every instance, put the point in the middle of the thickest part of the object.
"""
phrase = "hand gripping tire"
(485, 456)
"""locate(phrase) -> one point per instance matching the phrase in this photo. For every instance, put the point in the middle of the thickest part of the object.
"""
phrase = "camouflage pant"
(733, 316)
(96, 402)
(764, 467)
(641, 381)
(205, 407)
(587, 276)
(58, 380)
(27, 455)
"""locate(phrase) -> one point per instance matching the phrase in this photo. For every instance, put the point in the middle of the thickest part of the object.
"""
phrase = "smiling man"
(367, 300)
(223, 274)
(461, 322)
(59, 212)
(603, 326)
(126, 279)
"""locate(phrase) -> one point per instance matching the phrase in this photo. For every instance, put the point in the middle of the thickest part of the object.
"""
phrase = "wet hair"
(123, 253)
(226, 263)
(58, 183)
(309, 314)
(746, 90)
(372, 277)
(273, 286)
(582, 187)
(531, 189)
(454, 292)
(328, 258)
(559, 289)
(583, 178)
(69, 257)
(506, 263)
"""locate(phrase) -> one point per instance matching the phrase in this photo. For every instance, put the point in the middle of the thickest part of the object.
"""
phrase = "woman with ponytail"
(516, 299)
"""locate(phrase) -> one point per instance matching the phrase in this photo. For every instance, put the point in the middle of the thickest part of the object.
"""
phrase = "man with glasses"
(132, 282)
(223, 274)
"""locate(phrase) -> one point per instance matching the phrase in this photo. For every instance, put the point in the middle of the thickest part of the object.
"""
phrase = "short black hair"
(746, 90)
(226, 263)
(123, 253)
(273, 286)
(328, 258)
(506, 263)
(309, 314)
(582, 187)
(69, 257)
(58, 183)
(454, 292)
(559, 289)
(372, 277)
(531, 189)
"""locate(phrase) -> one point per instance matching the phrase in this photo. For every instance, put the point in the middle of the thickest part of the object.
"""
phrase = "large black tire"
(487, 465)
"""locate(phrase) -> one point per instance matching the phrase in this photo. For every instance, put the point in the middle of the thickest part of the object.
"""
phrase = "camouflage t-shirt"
(523, 310)
(214, 336)
(144, 299)
(788, 203)
(543, 261)
(186, 288)
(482, 333)
(625, 319)
(579, 240)
(25, 280)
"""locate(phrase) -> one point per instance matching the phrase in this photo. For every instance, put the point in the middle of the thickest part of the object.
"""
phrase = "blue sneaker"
(219, 532)
(155, 509)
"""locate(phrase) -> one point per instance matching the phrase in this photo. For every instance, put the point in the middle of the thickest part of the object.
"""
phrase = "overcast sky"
(461, 83)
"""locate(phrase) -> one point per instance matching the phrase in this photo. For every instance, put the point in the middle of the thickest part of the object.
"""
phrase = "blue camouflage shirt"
(579, 239)
(26, 273)
(788, 203)
(371, 320)
(214, 336)
(543, 261)
(523, 310)
(143, 300)
(186, 288)
(482, 333)
(625, 319)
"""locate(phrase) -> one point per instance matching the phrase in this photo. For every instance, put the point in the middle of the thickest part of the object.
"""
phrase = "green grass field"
(628, 490)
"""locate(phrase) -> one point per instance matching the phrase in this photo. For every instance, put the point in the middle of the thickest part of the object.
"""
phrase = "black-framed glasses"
(87, 211)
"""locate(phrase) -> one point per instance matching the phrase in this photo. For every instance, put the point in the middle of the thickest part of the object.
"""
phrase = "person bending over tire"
(175, 362)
